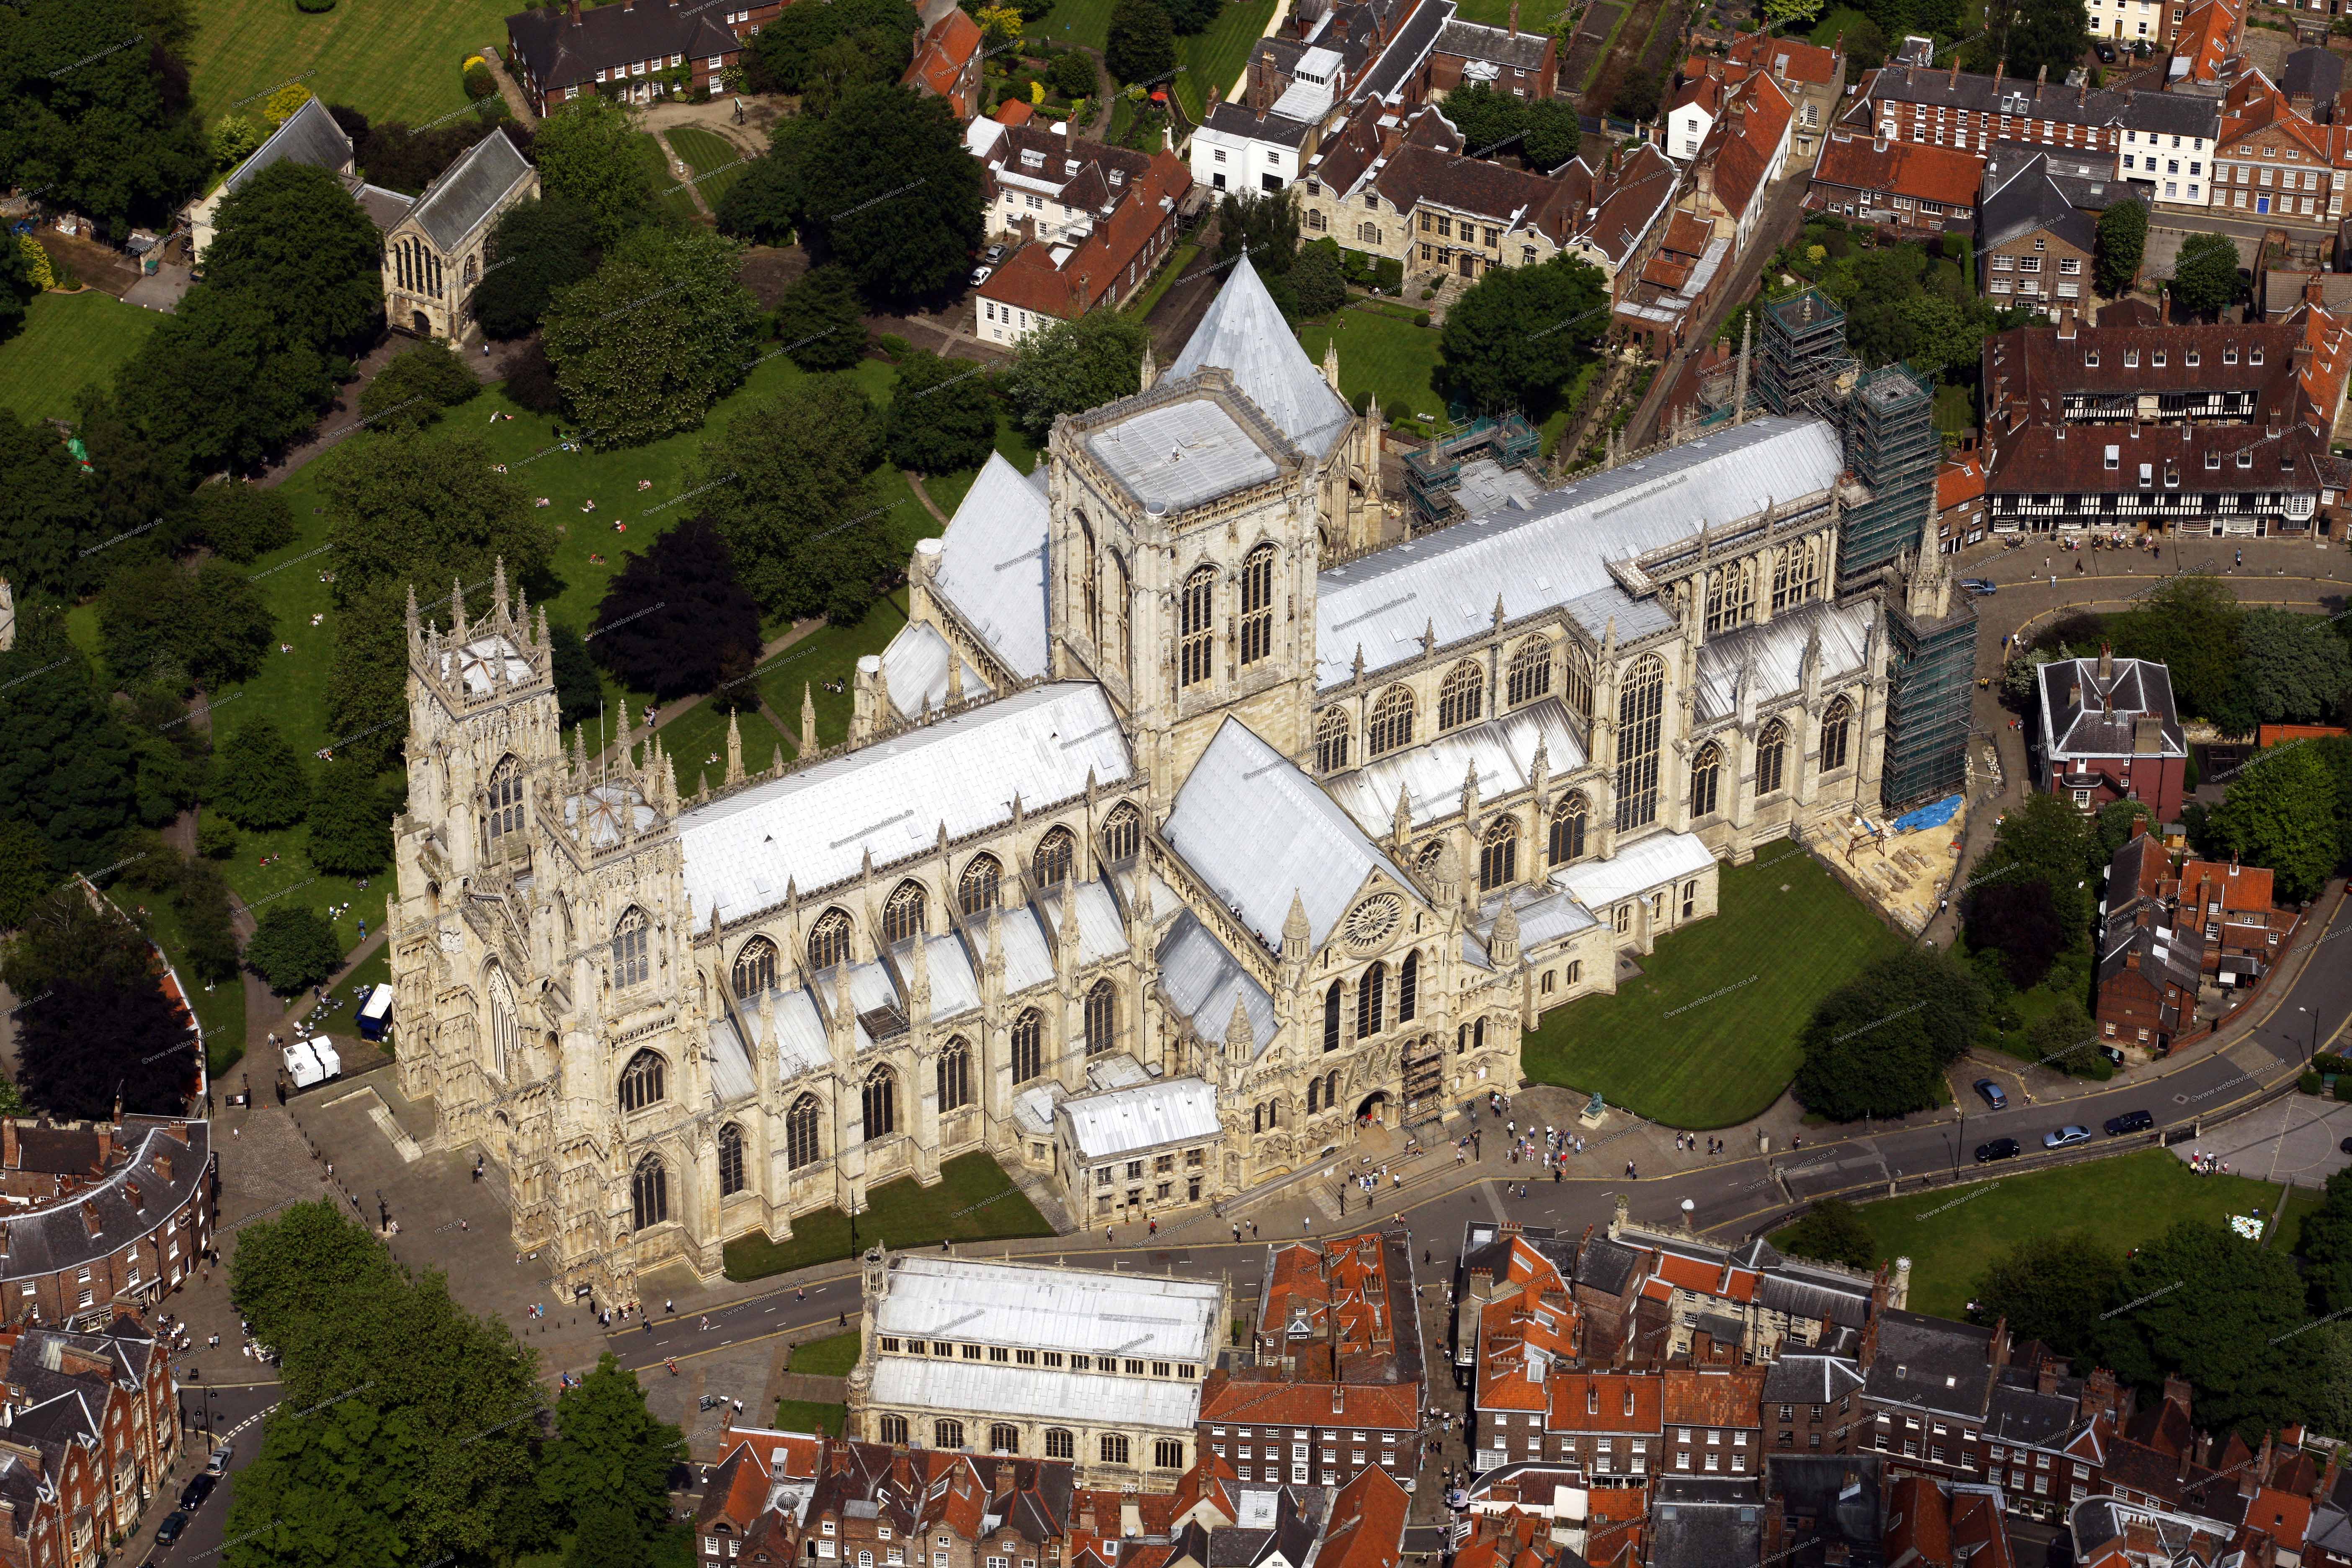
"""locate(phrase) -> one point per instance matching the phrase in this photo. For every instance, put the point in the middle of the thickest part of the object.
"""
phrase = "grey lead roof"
(308, 136)
(463, 196)
(45, 1239)
(1476, 41)
(991, 563)
(1201, 979)
(2071, 728)
(2030, 198)
(1243, 331)
(1182, 454)
(1799, 1379)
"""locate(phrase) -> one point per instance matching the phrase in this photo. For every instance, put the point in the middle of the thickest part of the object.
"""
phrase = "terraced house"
(634, 50)
(88, 1429)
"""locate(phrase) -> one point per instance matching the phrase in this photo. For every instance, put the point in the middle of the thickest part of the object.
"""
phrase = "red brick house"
(2230, 906)
(636, 51)
(947, 62)
(2109, 731)
(1120, 222)
(92, 1431)
(1903, 187)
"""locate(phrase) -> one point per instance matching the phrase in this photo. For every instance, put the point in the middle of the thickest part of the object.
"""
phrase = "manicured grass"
(973, 1201)
(706, 151)
(1085, 23)
(1839, 19)
(1390, 358)
(68, 342)
(1955, 410)
(1951, 1236)
(1218, 54)
(220, 1010)
(829, 654)
(1179, 261)
(809, 1416)
(670, 187)
(391, 59)
(830, 1357)
(1535, 15)
(1706, 1035)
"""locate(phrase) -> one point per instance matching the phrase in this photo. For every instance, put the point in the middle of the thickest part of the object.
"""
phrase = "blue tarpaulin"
(1934, 816)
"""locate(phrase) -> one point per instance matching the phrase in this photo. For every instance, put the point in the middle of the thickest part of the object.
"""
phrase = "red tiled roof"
(1394, 1406)
(2234, 887)
(2207, 37)
(1029, 280)
(1912, 169)
(1013, 112)
(2282, 1515)
(1785, 57)
(1961, 479)
(1595, 1401)
(1708, 1397)
(946, 48)
(1365, 1527)
(1687, 236)
(1748, 142)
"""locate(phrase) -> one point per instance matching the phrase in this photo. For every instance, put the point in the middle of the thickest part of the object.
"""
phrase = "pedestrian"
(1237, 1230)
(1106, 1235)
(1252, 1224)
(671, 1362)
(668, 1305)
(1153, 1228)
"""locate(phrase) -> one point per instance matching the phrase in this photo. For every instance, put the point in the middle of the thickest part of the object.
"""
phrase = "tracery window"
(1530, 672)
(1567, 820)
(1797, 574)
(828, 942)
(1408, 987)
(505, 814)
(1004, 1437)
(1391, 726)
(955, 1075)
(800, 1143)
(1461, 696)
(1334, 1000)
(1372, 993)
(894, 1429)
(643, 1081)
(948, 1434)
(1577, 681)
(1028, 1045)
(881, 1104)
(649, 1192)
(1641, 709)
(1122, 833)
(505, 1024)
(1193, 630)
(1089, 571)
(1835, 726)
(1707, 771)
(1498, 855)
(1059, 1443)
(731, 1160)
(1121, 616)
(1102, 1018)
(1050, 865)
(902, 916)
(755, 967)
(631, 963)
(1331, 740)
(1771, 753)
(1257, 605)
(977, 892)
(1730, 597)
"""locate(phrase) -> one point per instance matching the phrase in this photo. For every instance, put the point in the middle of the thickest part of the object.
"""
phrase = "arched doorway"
(1374, 1107)
(421, 323)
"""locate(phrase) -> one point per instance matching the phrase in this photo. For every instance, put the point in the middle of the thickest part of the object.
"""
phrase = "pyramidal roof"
(1244, 332)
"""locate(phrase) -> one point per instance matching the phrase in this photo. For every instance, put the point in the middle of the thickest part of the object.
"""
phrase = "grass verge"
(1381, 353)
(1218, 54)
(68, 342)
(832, 1356)
(391, 59)
(973, 1199)
(809, 1416)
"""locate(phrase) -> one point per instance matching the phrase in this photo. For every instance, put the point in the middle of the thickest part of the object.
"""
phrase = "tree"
(2055, 1287)
(807, 537)
(207, 925)
(2293, 668)
(2114, 825)
(293, 1271)
(588, 153)
(888, 189)
(1637, 96)
(786, 55)
(350, 830)
(1792, 13)
(26, 872)
(537, 248)
(294, 948)
(1141, 45)
(1832, 1231)
(1878, 1045)
(219, 384)
(293, 237)
(46, 518)
(2190, 623)
(399, 159)
(1074, 75)
(240, 520)
(609, 1447)
(1516, 334)
(578, 695)
(603, 1539)
(212, 624)
(411, 391)
(2205, 274)
(941, 418)
(2223, 1312)
(367, 707)
(422, 509)
(2065, 1041)
(17, 288)
(2016, 917)
(820, 320)
(764, 202)
(1552, 133)
(1068, 367)
(2325, 1244)
(675, 621)
(530, 380)
(661, 333)
(2280, 812)
(2046, 35)
(1265, 227)
(259, 780)
(2122, 242)
(1492, 124)
(2046, 838)
(1317, 279)
(97, 115)
(104, 1024)
(65, 765)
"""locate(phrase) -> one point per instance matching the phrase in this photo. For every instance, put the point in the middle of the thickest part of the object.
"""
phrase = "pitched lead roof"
(1244, 332)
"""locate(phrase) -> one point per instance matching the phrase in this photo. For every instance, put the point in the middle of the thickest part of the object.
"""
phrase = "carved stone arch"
(906, 914)
(828, 939)
(755, 968)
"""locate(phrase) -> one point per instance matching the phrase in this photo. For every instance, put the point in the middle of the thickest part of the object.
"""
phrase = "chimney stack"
(1515, 18)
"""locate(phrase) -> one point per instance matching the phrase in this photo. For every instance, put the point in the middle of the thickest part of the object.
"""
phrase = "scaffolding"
(1805, 359)
(1892, 448)
(1930, 668)
(1434, 473)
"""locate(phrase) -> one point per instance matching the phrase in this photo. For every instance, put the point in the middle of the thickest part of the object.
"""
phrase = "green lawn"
(1841, 19)
(1951, 1236)
(68, 342)
(391, 59)
(1218, 54)
(1706, 1035)
(1394, 360)
(973, 1201)
(220, 1009)
(1535, 15)
(671, 190)
(832, 1356)
(809, 1416)
(717, 162)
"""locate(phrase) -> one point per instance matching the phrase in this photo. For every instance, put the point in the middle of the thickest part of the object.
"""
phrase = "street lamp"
(2311, 1047)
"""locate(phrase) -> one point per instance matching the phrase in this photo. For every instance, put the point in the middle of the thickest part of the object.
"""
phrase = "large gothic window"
(1461, 699)
(902, 917)
(1641, 711)
(1089, 575)
(1797, 574)
(894, 1428)
(1102, 1018)
(644, 1081)
(1730, 597)
(1567, 830)
(649, 1192)
(1771, 755)
(1334, 1001)
(1498, 855)
(1257, 605)
(1331, 740)
(1028, 1045)
(1408, 987)
(947, 1434)
(505, 800)
(881, 1104)
(955, 1075)
(1193, 634)
(1372, 993)
(1314, 1095)
(1122, 834)
(1530, 675)
(828, 942)
(506, 1026)
(1004, 1437)
(731, 1160)
(1391, 726)
(1577, 681)
(1050, 865)
(1706, 772)
(978, 892)
(802, 1145)
(631, 962)
(755, 967)
(1835, 726)
(1120, 613)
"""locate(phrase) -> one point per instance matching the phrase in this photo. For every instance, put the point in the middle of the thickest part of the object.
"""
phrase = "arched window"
(1835, 725)
(1102, 1018)
(1576, 681)
(1257, 605)
(1331, 740)
(902, 916)
(893, 1429)
(1052, 865)
(947, 1434)
(1122, 833)
(1530, 675)
(1797, 575)
(1123, 597)
(1028, 1045)
(1707, 771)
(1641, 709)
(1771, 753)
(1498, 855)
(1004, 1437)
(1408, 987)
(505, 814)
(1089, 571)
(1314, 1095)
(1391, 726)
(731, 1160)
(631, 964)
(1114, 1448)
(1059, 1443)
(473, 270)
(643, 1081)
(506, 1027)
(802, 1146)
(1426, 860)
(955, 1075)
(755, 967)
(1193, 634)
(881, 1105)
(1730, 596)
(1567, 830)
(1371, 995)
(1331, 1087)
(977, 892)
(828, 942)
(649, 1192)
(1333, 1000)
(1461, 699)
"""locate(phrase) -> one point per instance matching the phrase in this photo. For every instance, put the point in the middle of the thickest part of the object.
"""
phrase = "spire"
(500, 610)
(808, 721)
(669, 790)
(1403, 828)
(701, 787)
(1540, 773)
(416, 634)
(1331, 363)
(457, 610)
(955, 678)
(1241, 1040)
(1470, 793)
(1359, 661)
(776, 768)
(1747, 342)
(1505, 946)
(920, 969)
(1295, 931)
(1151, 366)
(1448, 874)
(734, 749)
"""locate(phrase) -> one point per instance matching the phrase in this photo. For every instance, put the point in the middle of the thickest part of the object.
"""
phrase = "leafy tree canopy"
(259, 780)
(786, 55)
(412, 391)
(2054, 1287)
(537, 248)
(293, 237)
(399, 159)
(609, 1447)
(2224, 1313)
(211, 623)
(1141, 45)
(1070, 366)
(662, 332)
(2205, 275)
(820, 320)
(887, 188)
(941, 418)
(1832, 1231)
(2280, 812)
(424, 510)
(1878, 1045)
(588, 153)
(103, 1024)
(2122, 242)
(65, 765)
(94, 112)
(46, 515)
(2015, 917)
(2291, 668)
(1516, 336)
(240, 520)
(218, 384)
(2046, 35)
(2190, 623)
(1264, 227)
(351, 823)
(808, 536)
(294, 948)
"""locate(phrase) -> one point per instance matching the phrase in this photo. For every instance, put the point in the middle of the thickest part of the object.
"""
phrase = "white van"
(330, 1060)
(302, 1066)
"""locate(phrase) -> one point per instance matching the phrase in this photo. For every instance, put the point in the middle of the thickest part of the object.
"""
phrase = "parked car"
(175, 1524)
(1983, 588)
(2106, 54)
(191, 1497)
(980, 275)
(218, 1463)
(992, 254)
(2066, 1137)
(1994, 1095)
(2130, 1121)
(1999, 1149)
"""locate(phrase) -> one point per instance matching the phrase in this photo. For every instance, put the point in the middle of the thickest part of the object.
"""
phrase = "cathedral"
(1184, 829)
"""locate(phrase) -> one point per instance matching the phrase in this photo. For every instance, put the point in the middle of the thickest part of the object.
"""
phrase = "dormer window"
(2114, 459)
(2148, 476)
(2212, 460)
(2254, 354)
(1033, 160)
(2158, 359)
(1070, 166)
(2131, 358)
(2171, 478)
(1118, 178)
(2230, 354)
(2192, 359)
(2091, 358)
(2246, 459)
